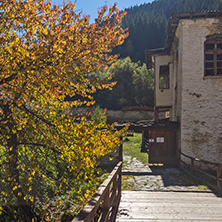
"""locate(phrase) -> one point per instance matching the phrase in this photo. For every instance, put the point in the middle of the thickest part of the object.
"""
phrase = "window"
(213, 56)
(164, 77)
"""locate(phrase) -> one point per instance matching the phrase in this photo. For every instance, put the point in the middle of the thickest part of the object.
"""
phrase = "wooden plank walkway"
(139, 206)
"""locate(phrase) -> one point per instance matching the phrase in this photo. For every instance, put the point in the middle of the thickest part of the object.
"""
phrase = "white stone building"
(188, 82)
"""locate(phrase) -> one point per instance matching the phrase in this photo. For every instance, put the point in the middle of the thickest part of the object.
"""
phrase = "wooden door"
(162, 146)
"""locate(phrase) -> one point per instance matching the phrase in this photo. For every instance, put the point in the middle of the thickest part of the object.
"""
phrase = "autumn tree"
(46, 53)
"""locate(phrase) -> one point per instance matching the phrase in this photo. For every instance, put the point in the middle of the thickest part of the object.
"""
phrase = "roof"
(173, 22)
(149, 125)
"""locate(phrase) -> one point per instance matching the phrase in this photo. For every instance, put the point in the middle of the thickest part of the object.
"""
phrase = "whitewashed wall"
(163, 97)
(201, 98)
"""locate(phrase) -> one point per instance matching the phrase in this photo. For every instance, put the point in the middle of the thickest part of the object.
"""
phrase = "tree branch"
(34, 114)
(8, 79)
(33, 144)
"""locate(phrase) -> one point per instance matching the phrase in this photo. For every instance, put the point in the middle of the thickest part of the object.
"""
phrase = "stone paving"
(144, 177)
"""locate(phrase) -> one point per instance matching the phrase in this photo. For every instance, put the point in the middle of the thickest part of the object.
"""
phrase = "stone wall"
(119, 116)
(129, 116)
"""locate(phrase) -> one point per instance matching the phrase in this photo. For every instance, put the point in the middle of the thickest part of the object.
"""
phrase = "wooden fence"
(191, 169)
(103, 205)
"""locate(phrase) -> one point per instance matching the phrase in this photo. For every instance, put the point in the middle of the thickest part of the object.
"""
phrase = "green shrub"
(99, 116)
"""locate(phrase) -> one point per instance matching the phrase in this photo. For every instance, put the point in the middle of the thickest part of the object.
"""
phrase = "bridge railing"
(191, 169)
(103, 205)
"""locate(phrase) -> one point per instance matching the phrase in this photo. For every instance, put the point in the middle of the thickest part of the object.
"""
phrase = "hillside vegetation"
(147, 24)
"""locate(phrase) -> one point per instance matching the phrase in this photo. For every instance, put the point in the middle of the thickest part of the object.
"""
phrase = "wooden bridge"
(164, 206)
(147, 206)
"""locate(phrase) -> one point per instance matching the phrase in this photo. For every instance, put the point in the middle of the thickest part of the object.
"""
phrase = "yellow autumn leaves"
(46, 55)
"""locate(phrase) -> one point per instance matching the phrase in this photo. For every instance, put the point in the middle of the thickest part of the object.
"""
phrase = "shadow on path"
(144, 177)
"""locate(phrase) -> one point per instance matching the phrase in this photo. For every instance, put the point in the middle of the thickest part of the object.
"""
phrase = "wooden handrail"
(105, 202)
(199, 160)
(192, 168)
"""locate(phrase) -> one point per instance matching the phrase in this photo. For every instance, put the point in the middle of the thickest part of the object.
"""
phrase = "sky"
(89, 7)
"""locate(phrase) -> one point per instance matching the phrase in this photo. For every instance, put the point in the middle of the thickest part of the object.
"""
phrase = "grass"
(132, 147)
(127, 182)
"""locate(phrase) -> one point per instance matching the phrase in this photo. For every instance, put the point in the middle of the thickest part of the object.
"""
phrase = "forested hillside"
(147, 24)
(147, 30)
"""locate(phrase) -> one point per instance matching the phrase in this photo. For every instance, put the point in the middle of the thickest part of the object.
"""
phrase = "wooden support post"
(110, 200)
(104, 216)
(114, 193)
(143, 136)
(219, 183)
(106, 203)
(120, 179)
(121, 150)
(120, 184)
(117, 188)
(115, 182)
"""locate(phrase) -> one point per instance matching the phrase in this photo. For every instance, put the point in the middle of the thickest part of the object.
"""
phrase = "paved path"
(165, 194)
(144, 177)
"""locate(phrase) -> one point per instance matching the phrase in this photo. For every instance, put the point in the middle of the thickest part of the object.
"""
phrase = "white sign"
(151, 140)
(160, 139)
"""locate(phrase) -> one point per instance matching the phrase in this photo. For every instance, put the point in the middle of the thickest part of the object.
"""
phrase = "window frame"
(165, 75)
(213, 56)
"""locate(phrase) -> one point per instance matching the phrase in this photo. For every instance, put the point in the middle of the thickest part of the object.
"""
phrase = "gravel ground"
(144, 177)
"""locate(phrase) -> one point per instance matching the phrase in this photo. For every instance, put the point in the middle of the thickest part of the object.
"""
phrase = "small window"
(209, 46)
(213, 56)
(209, 57)
(219, 57)
(164, 77)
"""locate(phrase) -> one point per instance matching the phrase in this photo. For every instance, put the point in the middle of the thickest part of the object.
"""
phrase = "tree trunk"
(12, 142)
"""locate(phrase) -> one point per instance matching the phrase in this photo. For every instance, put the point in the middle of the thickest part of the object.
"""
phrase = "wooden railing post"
(106, 203)
(115, 183)
(121, 149)
(120, 180)
(117, 194)
(219, 182)
(217, 185)
(110, 199)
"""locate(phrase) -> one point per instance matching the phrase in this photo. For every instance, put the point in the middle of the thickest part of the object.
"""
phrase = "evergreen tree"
(147, 24)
